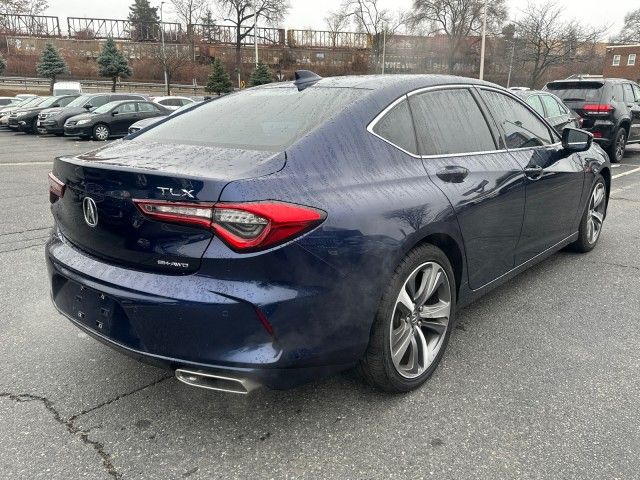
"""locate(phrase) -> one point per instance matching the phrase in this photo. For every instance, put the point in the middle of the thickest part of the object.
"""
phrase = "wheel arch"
(606, 174)
(452, 250)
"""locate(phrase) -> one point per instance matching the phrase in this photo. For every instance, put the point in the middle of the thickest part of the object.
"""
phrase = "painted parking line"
(624, 174)
(20, 164)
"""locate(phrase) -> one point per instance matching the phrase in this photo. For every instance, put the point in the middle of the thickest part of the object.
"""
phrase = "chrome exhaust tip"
(213, 381)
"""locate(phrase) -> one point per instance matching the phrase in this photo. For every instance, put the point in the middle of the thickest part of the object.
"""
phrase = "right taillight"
(56, 188)
(244, 227)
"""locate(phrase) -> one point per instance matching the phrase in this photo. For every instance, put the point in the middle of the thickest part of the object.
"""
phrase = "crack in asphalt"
(624, 199)
(39, 244)
(72, 428)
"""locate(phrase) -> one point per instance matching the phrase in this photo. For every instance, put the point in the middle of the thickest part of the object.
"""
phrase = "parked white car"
(173, 103)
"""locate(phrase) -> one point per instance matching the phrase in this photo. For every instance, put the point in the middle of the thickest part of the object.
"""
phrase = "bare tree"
(545, 39)
(631, 30)
(240, 13)
(188, 13)
(174, 59)
(369, 17)
(24, 7)
(458, 20)
(336, 22)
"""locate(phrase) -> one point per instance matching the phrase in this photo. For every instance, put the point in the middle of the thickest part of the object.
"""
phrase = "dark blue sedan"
(294, 230)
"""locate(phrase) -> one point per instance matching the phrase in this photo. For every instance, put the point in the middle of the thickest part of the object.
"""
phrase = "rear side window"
(636, 92)
(577, 91)
(520, 127)
(271, 118)
(628, 93)
(535, 103)
(450, 122)
(552, 107)
(396, 127)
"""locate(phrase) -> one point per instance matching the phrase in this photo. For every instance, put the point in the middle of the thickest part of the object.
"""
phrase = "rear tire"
(101, 132)
(618, 146)
(413, 324)
(593, 218)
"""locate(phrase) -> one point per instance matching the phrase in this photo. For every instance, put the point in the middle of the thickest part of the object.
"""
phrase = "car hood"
(82, 116)
(148, 122)
(70, 112)
(52, 111)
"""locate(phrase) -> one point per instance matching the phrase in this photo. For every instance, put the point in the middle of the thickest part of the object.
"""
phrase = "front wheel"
(618, 146)
(593, 218)
(101, 132)
(413, 324)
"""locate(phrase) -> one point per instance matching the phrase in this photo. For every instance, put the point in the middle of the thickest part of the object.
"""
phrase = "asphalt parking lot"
(540, 379)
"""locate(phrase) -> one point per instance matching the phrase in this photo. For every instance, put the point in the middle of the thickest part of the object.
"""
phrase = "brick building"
(623, 62)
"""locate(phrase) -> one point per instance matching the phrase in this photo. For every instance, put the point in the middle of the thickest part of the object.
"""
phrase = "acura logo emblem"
(90, 211)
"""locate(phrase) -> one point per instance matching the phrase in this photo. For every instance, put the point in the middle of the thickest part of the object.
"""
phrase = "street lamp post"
(484, 40)
(164, 52)
(255, 31)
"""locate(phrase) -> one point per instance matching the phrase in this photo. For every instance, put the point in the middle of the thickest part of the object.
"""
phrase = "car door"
(124, 115)
(485, 187)
(554, 177)
(632, 100)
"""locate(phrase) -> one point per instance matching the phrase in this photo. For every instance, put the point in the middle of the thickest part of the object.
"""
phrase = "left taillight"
(56, 188)
(244, 227)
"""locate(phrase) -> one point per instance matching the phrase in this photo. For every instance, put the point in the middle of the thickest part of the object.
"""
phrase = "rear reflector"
(598, 108)
(56, 188)
(244, 227)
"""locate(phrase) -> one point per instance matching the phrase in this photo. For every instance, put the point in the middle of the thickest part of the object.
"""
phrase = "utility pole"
(164, 52)
(384, 46)
(513, 54)
(484, 40)
(255, 30)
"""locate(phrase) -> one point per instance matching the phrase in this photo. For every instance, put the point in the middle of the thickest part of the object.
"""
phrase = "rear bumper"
(603, 132)
(189, 322)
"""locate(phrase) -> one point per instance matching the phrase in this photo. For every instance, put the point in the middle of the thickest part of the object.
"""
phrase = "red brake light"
(242, 226)
(598, 108)
(56, 188)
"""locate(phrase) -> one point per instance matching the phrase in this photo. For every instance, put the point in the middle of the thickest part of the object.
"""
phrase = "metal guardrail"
(226, 34)
(325, 39)
(36, 83)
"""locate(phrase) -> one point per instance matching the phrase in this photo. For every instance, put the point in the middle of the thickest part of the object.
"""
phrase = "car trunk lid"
(101, 186)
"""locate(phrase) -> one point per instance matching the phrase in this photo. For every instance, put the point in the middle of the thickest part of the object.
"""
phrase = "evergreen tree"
(261, 75)
(145, 23)
(51, 64)
(219, 81)
(3, 65)
(112, 63)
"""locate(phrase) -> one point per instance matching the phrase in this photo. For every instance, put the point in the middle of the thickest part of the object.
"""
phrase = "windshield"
(106, 107)
(264, 119)
(50, 101)
(576, 91)
(80, 101)
(29, 102)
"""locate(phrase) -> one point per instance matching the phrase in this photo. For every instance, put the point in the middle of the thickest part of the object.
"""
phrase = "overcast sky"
(310, 13)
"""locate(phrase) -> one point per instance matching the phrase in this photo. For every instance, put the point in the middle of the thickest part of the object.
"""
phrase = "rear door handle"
(453, 174)
(534, 173)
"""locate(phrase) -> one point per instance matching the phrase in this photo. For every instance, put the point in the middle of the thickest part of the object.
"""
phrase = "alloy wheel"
(101, 132)
(420, 320)
(597, 206)
(620, 146)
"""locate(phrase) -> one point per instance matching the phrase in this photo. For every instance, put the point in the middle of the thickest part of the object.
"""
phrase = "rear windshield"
(577, 91)
(264, 119)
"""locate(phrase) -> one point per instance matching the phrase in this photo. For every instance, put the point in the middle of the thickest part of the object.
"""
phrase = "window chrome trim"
(406, 96)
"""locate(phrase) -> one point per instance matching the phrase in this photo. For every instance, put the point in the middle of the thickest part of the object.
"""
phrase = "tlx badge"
(181, 193)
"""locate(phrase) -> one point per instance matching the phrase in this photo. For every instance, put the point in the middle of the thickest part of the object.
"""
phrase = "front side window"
(519, 126)
(616, 60)
(396, 127)
(632, 60)
(126, 108)
(450, 122)
(552, 107)
(99, 101)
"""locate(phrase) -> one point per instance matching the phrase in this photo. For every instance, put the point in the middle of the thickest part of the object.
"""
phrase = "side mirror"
(56, 105)
(575, 140)
(88, 106)
(114, 113)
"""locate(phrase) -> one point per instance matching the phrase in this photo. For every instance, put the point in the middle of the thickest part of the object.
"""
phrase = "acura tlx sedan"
(294, 230)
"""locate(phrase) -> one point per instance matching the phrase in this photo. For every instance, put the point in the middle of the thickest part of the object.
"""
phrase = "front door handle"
(534, 172)
(453, 174)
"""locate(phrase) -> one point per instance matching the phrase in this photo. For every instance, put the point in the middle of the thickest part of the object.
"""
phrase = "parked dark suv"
(609, 107)
(53, 119)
